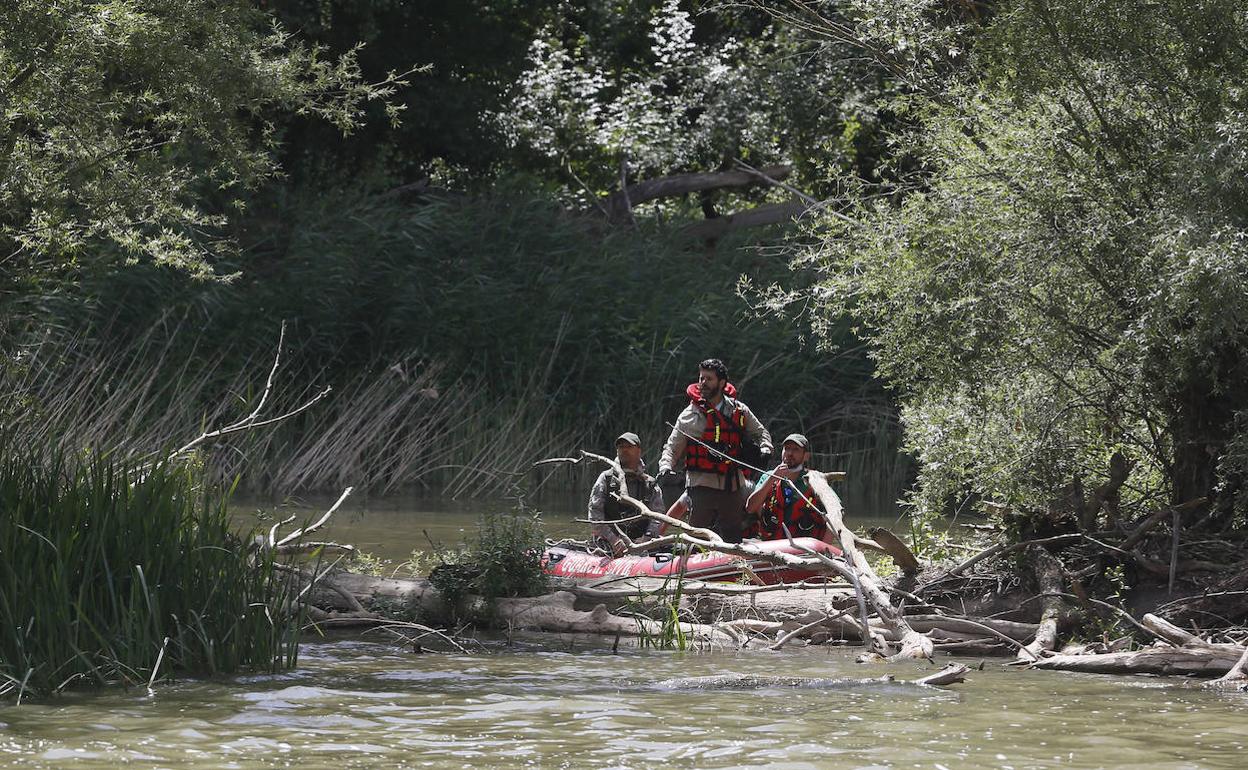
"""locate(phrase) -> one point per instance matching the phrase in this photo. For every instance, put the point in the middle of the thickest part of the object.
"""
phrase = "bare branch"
(298, 533)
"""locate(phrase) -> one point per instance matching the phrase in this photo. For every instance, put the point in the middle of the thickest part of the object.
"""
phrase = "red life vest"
(785, 505)
(723, 434)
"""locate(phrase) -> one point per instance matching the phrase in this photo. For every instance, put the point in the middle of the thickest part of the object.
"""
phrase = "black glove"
(666, 475)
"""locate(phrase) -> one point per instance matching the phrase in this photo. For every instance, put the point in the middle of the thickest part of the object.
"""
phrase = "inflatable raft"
(708, 565)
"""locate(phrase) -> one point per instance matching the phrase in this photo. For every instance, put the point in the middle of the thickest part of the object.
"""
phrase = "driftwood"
(897, 550)
(1048, 572)
(950, 674)
(913, 644)
(253, 420)
(1165, 660)
(556, 612)
(1236, 678)
(1179, 652)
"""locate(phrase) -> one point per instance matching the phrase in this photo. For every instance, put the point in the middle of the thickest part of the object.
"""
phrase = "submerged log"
(950, 674)
(556, 612)
(1235, 679)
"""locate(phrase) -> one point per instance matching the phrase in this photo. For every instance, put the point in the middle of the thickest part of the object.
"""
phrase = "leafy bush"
(503, 561)
(1064, 281)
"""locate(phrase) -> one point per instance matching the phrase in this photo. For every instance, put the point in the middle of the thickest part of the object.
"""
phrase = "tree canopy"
(1064, 280)
(130, 130)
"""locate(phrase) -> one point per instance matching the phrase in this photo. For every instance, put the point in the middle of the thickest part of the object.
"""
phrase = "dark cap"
(629, 438)
(798, 439)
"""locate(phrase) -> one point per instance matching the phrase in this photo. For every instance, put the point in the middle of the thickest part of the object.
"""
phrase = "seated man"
(606, 509)
(775, 501)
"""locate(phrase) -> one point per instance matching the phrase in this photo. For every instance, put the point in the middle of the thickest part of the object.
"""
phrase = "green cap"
(797, 438)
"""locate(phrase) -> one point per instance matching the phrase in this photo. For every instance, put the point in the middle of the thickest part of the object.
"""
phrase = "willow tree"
(131, 130)
(1058, 294)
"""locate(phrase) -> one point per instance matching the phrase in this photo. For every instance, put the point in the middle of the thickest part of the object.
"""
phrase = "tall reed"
(464, 340)
(113, 572)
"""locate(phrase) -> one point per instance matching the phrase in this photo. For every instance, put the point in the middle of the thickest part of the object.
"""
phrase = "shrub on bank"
(504, 561)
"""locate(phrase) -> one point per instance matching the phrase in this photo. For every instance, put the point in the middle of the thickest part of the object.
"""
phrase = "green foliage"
(470, 51)
(1065, 279)
(508, 550)
(687, 91)
(130, 130)
(104, 564)
(670, 635)
(462, 335)
(503, 561)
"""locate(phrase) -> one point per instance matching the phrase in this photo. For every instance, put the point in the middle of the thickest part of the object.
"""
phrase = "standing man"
(605, 508)
(783, 498)
(714, 420)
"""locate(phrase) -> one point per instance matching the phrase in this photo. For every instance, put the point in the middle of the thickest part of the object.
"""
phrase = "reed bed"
(463, 340)
(112, 571)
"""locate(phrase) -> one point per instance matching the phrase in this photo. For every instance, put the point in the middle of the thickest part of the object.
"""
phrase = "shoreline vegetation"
(988, 257)
(120, 572)
(450, 372)
(922, 611)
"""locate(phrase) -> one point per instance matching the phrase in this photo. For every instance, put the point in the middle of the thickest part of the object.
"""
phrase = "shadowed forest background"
(1015, 229)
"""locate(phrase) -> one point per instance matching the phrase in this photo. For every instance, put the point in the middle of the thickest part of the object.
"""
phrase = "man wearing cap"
(606, 510)
(710, 436)
(783, 498)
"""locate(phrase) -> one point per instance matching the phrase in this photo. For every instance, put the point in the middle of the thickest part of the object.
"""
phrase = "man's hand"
(665, 475)
(618, 548)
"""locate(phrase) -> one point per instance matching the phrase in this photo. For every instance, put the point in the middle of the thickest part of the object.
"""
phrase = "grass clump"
(113, 572)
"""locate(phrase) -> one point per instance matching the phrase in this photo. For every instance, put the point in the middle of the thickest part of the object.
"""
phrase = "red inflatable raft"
(708, 565)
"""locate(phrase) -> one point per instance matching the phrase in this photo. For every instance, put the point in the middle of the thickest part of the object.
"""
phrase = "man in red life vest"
(709, 434)
(783, 498)
(612, 519)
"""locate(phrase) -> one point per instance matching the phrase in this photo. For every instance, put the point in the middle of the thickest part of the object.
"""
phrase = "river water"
(555, 701)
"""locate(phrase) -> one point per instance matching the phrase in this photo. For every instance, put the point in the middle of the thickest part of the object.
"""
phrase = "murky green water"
(562, 701)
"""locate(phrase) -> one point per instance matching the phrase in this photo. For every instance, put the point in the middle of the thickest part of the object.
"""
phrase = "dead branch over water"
(898, 623)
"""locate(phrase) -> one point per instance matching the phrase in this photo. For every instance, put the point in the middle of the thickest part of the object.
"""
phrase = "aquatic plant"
(657, 612)
(114, 571)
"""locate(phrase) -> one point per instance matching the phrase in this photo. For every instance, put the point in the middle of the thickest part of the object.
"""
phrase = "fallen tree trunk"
(1168, 661)
(556, 612)
(812, 611)
(770, 214)
(1236, 678)
(1048, 572)
(1179, 653)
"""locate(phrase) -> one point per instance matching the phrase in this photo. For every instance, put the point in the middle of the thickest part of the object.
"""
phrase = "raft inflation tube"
(706, 565)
